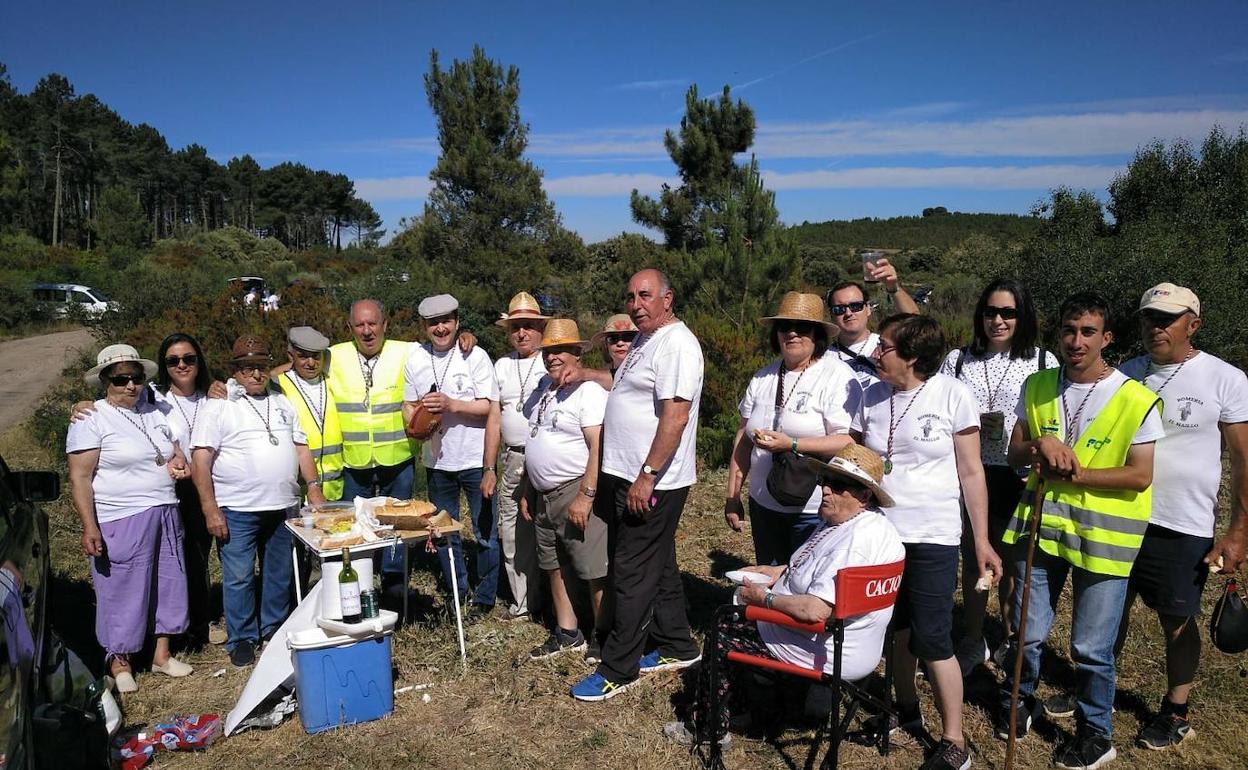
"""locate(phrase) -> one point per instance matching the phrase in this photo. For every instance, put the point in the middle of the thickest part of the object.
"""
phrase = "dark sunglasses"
(615, 338)
(848, 307)
(190, 359)
(121, 380)
(1158, 319)
(804, 328)
(1006, 313)
(838, 484)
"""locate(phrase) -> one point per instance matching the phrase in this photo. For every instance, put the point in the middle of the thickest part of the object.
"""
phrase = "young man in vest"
(305, 387)
(462, 389)
(1206, 405)
(518, 374)
(1087, 431)
(851, 313)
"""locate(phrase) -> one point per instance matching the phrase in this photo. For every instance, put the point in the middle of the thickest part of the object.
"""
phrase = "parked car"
(24, 630)
(67, 298)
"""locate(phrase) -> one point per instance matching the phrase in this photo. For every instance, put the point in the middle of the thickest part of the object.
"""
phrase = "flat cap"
(436, 306)
(307, 338)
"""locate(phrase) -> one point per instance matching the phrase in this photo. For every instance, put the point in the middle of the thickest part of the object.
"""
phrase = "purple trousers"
(140, 580)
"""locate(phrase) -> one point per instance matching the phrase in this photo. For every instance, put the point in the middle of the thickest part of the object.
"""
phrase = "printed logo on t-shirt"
(282, 417)
(1186, 405)
(927, 428)
(461, 381)
(1051, 427)
(802, 399)
(165, 431)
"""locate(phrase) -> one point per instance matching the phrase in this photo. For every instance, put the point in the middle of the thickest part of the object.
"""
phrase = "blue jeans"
(444, 489)
(392, 480)
(249, 618)
(1098, 602)
(778, 534)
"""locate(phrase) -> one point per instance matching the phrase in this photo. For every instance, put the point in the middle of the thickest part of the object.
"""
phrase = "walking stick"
(1033, 528)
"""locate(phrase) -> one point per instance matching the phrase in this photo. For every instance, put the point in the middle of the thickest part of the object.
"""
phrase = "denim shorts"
(925, 599)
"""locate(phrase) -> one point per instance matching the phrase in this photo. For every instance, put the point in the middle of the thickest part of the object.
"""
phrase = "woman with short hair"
(1003, 353)
(800, 403)
(926, 426)
(616, 338)
(124, 459)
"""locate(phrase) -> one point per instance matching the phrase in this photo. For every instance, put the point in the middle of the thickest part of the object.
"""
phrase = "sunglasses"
(839, 485)
(615, 338)
(848, 307)
(1006, 313)
(1159, 320)
(190, 359)
(804, 328)
(121, 380)
(251, 368)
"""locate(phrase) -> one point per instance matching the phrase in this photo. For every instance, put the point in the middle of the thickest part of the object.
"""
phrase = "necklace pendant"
(888, 466)
(520, 404)
(272, 439)
(160, 459)
(533, 433)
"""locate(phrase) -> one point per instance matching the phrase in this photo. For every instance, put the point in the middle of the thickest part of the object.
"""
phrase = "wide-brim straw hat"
(796, 306)
(560, 332)
(118, 354)
(619, 323)
(523, 307)
(858, 464)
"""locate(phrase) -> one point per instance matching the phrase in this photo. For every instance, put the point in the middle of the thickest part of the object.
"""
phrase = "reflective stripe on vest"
(325, 442)
(372, 435)
(1097, 530)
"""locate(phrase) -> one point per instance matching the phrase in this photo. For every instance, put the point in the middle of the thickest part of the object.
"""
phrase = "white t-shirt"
(460, 443)
(996, 382)
(864, 371)
(557, 453)
(1097, 397)
(249, 473)
(660, 366)
(518, 393)
(181, 412)
(924, 481)
(1187, 462)
(815, 402)
(127, 479)
(865, 540)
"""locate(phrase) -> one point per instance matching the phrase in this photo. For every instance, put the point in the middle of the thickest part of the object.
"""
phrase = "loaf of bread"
(405, 514)
(332, 542)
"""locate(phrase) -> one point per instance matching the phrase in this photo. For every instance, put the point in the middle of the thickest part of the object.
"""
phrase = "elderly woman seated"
(853, 533)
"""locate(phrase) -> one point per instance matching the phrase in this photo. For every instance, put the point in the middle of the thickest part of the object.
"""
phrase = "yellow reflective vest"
(324, 441)
(1099, 530)
(371, 418)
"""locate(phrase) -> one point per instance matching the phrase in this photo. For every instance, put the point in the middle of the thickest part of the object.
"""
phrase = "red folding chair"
(859, 590)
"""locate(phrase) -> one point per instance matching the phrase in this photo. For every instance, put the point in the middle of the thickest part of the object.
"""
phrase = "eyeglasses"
(251, 368)
(1159, 320)
(121, 380)
(190, 359)
(804, 328)
(1006, 313)
(848, 307)
(884, 349)
(302, 354)
(615, 338)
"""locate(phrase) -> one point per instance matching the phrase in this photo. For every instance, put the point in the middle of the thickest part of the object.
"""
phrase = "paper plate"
(743, 577)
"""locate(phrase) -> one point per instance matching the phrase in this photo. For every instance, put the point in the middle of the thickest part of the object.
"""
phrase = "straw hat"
(795, 306)
(118, 354)
(521, 308)
(616, 324)
(562, 331)
(858, 464)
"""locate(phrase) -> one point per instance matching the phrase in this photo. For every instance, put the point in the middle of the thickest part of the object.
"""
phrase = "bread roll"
(332, 542)
(405, 514)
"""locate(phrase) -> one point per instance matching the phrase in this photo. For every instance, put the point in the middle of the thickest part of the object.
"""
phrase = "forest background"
(86, 197)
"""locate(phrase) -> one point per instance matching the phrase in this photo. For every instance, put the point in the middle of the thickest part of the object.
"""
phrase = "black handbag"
(790, 482)
(1228, 626)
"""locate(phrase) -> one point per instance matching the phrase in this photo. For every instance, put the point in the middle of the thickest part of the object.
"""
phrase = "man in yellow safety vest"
(305, 386)
(1087, 432)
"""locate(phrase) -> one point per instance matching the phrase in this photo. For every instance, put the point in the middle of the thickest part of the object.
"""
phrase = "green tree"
(119, 220)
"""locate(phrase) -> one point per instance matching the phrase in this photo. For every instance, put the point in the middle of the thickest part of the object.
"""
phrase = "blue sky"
(863, 109)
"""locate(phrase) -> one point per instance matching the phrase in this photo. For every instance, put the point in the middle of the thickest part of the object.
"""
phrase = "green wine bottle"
(349, 590)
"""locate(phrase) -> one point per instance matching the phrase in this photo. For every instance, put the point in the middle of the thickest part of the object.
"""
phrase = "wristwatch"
(649, 470)
(589, 492)
(314, 483)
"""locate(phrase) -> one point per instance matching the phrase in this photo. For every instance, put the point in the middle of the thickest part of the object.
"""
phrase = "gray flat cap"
(437, 305)
(307, 338)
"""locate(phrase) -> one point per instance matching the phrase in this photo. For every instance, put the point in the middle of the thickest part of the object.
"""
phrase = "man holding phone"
(850, 307)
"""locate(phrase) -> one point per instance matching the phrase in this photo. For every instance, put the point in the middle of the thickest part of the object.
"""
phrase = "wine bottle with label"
(349, 590)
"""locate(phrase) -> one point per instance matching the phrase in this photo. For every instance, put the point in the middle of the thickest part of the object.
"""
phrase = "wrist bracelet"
(794, 446)
(769, 600)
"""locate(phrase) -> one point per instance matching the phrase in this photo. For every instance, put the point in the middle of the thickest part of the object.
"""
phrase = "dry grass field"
(508, 712)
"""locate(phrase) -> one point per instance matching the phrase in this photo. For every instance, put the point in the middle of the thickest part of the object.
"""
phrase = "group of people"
(853, 448)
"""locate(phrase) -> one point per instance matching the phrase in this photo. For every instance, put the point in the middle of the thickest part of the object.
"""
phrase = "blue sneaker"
(596, 687)
(653, 661)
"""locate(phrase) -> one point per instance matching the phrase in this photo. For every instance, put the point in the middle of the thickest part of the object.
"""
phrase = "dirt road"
(28, 367)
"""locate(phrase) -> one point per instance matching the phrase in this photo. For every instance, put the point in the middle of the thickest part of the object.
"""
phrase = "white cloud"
(654, 85)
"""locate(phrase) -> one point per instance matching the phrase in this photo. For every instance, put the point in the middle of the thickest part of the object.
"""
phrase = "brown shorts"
(560, 543)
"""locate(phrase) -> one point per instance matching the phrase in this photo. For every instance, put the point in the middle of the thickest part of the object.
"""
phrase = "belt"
(518, 449)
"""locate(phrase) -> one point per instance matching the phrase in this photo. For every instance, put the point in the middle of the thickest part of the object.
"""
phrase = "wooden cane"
(1033, 528)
